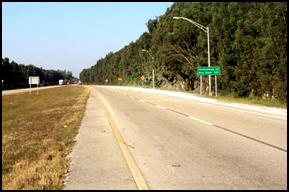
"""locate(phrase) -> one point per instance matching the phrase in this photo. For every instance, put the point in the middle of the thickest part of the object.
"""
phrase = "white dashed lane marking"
(161, 107)
(208, 123)
(196, 119)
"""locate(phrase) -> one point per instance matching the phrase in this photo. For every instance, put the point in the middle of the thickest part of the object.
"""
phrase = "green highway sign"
(212, 70)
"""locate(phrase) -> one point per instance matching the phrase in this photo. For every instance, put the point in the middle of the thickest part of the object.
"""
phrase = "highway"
(185, 144)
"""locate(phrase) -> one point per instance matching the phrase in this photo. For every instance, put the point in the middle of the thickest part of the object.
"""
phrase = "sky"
(72, 36)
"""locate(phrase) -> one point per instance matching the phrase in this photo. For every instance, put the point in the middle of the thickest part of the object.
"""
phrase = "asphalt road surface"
(178, 144)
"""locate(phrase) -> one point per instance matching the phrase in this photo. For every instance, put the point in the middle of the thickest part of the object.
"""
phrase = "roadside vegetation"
(248, 40)
(254, 101)
(37, 134)
(16, 75)
(251, 101)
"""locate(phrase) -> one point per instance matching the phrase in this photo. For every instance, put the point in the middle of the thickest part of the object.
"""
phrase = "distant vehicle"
(65, 82)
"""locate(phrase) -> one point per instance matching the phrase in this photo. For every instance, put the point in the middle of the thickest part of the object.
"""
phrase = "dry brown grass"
(37, 134)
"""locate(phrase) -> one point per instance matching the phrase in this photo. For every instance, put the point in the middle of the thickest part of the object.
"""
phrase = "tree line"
(16, 75)
(247, 40)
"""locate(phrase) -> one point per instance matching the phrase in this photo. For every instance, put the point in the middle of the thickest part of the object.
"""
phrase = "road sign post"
(153, 78)
(216, 87)
(200, 84)
(208, 71)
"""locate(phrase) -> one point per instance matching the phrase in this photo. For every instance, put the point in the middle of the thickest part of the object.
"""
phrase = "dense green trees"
(16, 75)
(248, 41)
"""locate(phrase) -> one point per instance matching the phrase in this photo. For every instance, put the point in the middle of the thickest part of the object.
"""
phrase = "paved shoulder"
(97, 161)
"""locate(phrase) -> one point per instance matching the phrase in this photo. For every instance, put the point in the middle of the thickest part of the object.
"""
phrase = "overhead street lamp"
(144, 50)
(205, 29)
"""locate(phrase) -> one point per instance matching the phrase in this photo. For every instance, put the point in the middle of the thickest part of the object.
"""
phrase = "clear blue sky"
(72, 36)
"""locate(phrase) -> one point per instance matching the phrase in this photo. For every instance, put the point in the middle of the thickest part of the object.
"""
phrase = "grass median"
(38, 133)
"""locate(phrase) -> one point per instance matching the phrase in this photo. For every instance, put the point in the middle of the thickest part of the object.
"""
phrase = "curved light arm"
(205, 29)
(148, 53)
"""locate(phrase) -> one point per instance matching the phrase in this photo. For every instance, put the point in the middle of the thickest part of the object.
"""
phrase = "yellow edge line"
(138, 178)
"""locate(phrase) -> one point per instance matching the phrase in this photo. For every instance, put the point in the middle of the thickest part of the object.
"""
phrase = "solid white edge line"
(257, 113)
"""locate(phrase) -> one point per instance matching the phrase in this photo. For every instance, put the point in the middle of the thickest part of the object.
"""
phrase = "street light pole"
(153, 72)
(209, 61)
(205, 29)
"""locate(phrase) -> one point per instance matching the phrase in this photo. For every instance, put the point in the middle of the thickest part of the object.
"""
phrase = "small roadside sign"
(34, 80)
